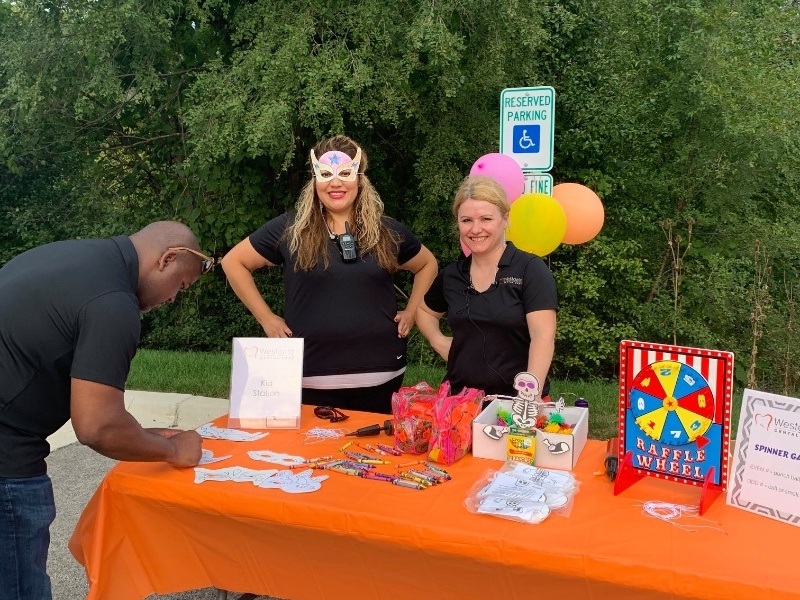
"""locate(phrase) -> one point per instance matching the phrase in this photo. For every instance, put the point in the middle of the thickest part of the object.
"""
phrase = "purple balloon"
(504, 170)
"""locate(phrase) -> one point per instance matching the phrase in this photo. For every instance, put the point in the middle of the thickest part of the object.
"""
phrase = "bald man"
(69, 328)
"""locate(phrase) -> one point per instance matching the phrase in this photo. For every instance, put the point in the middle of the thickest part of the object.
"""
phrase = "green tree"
(674, 111)
(682, 111)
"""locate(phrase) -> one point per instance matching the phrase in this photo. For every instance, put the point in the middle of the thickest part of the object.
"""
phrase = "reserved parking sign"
(527, 126)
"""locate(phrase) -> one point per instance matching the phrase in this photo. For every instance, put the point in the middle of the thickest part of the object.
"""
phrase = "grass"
(209, 374)
(196, 373)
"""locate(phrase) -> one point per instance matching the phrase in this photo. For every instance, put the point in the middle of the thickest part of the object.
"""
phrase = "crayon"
(389, 450)
(408, 484)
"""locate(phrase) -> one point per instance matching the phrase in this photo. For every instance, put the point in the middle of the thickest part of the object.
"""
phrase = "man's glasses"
(334, 415)
(207, 262)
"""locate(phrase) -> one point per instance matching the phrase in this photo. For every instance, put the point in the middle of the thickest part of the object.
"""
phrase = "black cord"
(483, 335)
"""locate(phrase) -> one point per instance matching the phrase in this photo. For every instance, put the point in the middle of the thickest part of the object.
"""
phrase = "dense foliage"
(682, 115)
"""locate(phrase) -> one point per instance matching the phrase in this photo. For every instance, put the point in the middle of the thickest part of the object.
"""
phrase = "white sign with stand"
(266, 383)
(766, 464)
(527, 126)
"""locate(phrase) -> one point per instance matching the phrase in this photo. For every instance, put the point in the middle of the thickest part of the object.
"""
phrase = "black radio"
(347, 245)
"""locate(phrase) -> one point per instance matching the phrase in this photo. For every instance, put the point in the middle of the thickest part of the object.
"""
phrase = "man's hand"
(188, 449)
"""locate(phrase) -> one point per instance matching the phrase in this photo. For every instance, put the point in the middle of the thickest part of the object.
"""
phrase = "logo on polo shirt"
(511, 280)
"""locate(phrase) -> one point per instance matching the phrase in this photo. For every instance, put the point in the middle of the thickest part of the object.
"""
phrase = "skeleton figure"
(527, 386)
(525, 408)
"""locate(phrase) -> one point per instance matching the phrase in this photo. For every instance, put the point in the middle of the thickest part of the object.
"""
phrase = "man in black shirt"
(69, 328)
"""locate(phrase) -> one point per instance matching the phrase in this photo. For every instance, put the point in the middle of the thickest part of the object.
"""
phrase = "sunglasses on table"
(207, 262)
(334, 415)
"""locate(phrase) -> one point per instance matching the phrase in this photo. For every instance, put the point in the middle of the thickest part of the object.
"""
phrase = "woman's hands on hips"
(405, 321)
(275, 327)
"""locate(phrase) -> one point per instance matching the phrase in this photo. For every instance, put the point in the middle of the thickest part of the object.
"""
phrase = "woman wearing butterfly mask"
(338, 252)
(500, 302)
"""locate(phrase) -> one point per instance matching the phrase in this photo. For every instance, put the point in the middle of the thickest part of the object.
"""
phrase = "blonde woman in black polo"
(500, 302)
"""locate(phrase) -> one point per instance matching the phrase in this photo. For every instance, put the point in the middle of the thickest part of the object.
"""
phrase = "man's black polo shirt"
(490, 332)
(67, 309)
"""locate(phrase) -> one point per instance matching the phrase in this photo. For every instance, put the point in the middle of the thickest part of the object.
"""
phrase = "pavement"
(77, 471)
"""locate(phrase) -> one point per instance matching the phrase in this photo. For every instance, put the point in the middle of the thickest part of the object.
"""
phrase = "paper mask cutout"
(269, 478)
(335, 164)
(208, 457)
(276, 457)
(212, 432)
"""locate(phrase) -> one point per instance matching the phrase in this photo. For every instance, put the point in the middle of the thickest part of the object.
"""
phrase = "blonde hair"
(485, 189)
(308, 235)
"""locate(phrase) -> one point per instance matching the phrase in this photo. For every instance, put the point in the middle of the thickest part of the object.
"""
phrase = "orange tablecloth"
(150, 529)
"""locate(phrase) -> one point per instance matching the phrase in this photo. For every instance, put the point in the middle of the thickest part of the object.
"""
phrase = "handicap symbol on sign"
(526, 138)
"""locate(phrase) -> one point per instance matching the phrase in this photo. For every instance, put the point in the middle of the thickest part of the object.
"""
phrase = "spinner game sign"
(675, 407)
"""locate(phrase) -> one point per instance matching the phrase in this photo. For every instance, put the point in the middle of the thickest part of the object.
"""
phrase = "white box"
(558, 450)
(553, 450)
(483, 444)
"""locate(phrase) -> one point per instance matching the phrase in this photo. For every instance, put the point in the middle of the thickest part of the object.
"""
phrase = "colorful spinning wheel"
(672, 403)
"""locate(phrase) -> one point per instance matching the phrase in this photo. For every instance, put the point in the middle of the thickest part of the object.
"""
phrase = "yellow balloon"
(537, 224)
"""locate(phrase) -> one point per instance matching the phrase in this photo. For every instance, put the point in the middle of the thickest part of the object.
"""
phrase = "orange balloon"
(584, 211)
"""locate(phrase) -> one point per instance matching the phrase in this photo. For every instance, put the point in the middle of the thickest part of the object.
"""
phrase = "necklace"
(493, 282)
(494, 275)
(330, 233)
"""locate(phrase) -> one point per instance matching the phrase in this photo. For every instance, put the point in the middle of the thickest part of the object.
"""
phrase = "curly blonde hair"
(308, 234)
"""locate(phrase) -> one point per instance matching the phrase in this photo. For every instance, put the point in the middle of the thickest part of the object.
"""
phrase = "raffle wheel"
(671, 403)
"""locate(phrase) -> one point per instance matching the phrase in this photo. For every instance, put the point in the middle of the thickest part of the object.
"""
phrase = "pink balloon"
(464, 248)
(504, 170)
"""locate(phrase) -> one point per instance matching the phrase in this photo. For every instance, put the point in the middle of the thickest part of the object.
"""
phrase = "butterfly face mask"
(335, 164)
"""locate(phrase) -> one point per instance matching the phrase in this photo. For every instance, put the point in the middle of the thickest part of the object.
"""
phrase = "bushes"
(204, 112)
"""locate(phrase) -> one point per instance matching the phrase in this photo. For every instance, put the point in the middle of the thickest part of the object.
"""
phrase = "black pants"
(376, 399)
